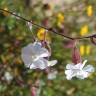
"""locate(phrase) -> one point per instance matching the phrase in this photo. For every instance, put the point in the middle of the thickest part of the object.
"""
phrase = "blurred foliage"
(69, 17)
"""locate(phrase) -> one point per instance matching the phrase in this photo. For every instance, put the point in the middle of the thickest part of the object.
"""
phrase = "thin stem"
(48, 29)
(45, 35)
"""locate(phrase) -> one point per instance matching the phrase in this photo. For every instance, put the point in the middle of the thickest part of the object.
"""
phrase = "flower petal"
(78, 66)
(28, 50)
(69, 74)
(68, 77)
(39, 50)
(43, 52)
(26, 59)
(82, 74)
(70, 66)
(89, 68)
(52, 63)
(32, 66)
(41, 63)
(26, 55)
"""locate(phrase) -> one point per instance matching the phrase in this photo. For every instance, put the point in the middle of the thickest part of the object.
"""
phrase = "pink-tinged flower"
(78, 70)
(33, 56)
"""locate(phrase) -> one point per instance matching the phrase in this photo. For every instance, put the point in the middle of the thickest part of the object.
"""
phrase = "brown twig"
(48, 29)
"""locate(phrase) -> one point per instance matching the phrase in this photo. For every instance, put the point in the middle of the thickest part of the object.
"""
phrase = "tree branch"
(48, 29)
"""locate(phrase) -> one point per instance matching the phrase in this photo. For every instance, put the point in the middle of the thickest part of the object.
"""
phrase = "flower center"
(34, 57)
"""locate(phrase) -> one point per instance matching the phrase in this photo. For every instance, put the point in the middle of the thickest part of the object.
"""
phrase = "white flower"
(78, 70)
(33, 56)
(52, 75)
(8, 76)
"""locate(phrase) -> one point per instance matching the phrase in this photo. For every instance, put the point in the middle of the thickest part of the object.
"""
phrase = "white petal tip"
(52, 63)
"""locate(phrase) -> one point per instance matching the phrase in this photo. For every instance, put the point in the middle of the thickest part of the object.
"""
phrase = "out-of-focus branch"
(48, 29)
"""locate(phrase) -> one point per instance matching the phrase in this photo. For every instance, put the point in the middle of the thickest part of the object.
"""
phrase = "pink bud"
(33, 91)
(70, 44)
(76, 57)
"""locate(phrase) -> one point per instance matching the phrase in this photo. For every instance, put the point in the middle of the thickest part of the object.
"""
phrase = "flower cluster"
(35, 56)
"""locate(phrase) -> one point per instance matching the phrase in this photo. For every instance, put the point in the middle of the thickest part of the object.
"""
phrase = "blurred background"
(69, 17)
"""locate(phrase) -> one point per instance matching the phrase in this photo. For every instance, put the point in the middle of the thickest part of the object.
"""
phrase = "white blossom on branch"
(78, 70)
